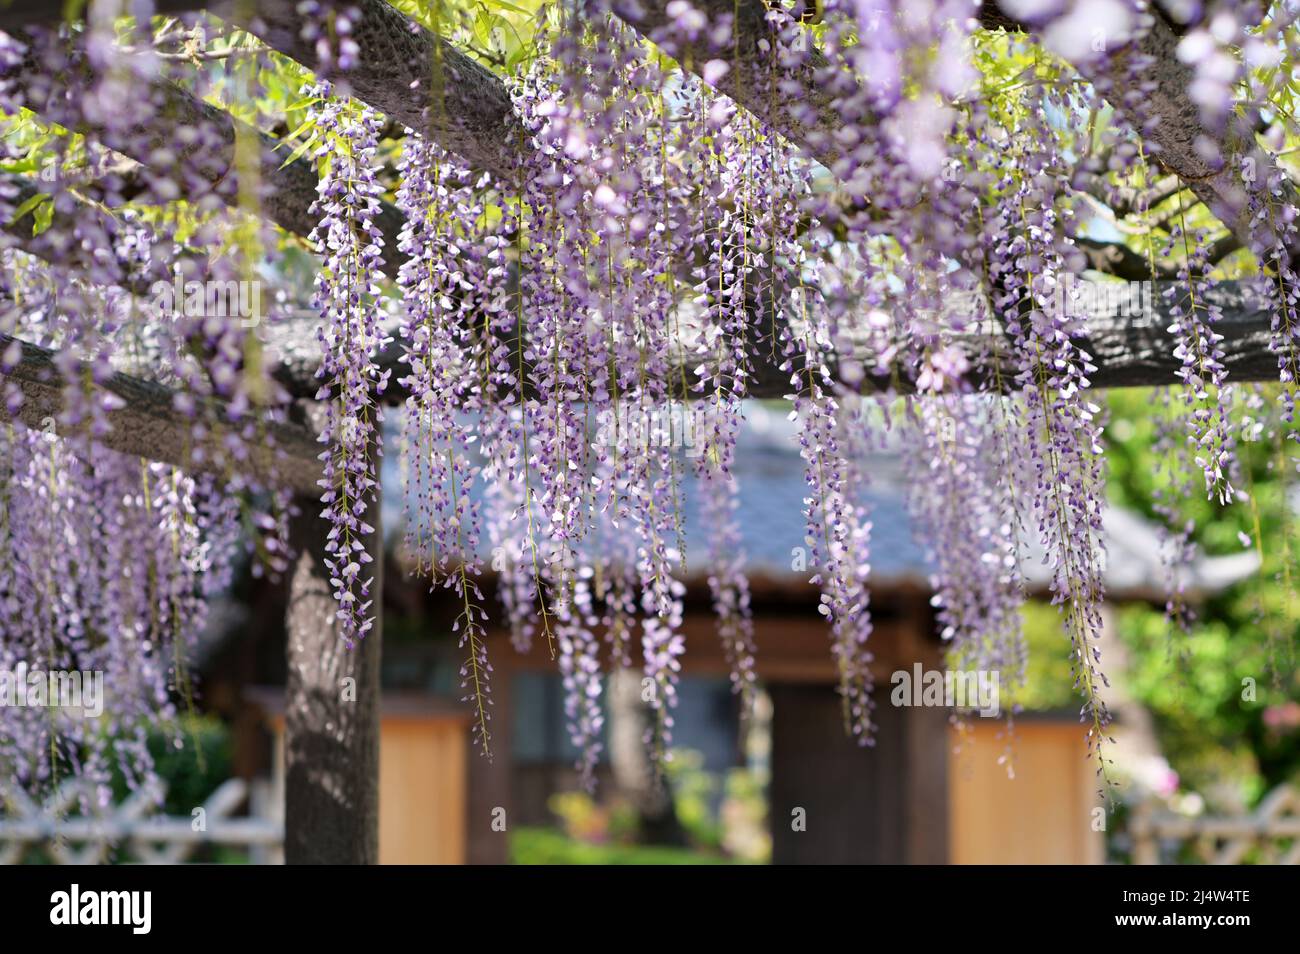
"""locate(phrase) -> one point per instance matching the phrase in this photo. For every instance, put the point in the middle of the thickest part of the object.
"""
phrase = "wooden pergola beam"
(1138, 351)
(285, 191)
(145, 423)
(410, 74)
(807, 117)
(1169, 122)
(1130, 350)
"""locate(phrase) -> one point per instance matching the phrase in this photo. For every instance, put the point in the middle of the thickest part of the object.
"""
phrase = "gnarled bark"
(408, 73)
(331, 709)
(146, 424)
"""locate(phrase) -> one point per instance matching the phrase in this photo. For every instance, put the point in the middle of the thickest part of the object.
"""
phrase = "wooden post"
(635, 775)
(926, 746)
(1146, 848)
(331, 725)
(489, 805)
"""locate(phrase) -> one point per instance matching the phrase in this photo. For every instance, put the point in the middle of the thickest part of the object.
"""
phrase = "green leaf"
(301, 104)
(28, 164)
(301, 148)
(42, 217)
(28, 206)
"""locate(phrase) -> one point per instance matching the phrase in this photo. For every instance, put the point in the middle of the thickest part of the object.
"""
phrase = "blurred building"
(924, 793)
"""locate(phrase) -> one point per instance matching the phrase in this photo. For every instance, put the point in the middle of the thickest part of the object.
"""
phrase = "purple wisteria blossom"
(350, 334)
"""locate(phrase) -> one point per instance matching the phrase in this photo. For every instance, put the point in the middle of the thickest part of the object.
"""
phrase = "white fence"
(1269, 835)
(143, 837)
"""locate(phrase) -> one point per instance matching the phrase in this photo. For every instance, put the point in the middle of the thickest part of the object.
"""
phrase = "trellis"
(331, 794)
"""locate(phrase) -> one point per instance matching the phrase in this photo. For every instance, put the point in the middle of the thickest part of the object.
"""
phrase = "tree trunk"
(331, 709)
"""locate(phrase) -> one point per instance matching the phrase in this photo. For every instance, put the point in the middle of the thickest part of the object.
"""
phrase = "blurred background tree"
(1222, 684)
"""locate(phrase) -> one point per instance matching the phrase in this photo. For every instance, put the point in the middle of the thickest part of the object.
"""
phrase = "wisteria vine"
(882, 207)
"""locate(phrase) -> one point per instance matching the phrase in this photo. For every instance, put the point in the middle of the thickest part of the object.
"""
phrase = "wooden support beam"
(331, 708)
(285, 192)
(801, 106)
(1129, 350)
(464, 107)
(1138, 350)
(1170, 122)
(146, 424)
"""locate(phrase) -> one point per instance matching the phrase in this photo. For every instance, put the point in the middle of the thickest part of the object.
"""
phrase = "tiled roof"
(772, 489)
(769, 473)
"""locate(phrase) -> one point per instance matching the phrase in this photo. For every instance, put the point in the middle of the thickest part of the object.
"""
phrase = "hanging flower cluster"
(110, 561)
(350, 334)
(107, 566)
(1062, 433)
(445, 381)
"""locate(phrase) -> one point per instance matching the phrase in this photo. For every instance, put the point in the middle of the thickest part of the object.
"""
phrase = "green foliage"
(192, 757)
(1197, 683)
(730, 827)
(693, 793)
(1049, 682)
(1222, 745)
(587, 820)
(500, 34)
(544, 846)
